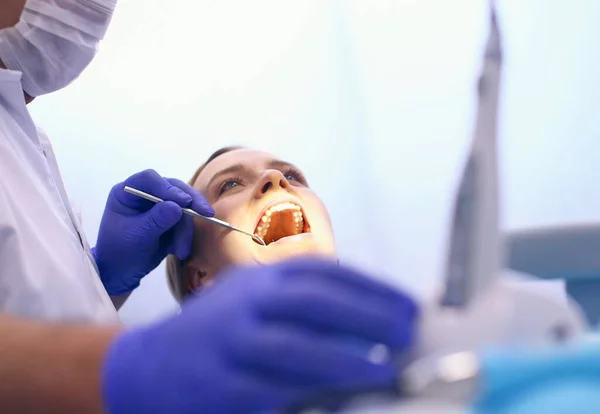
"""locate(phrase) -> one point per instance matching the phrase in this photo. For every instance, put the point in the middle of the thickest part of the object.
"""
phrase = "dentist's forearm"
(51, 368)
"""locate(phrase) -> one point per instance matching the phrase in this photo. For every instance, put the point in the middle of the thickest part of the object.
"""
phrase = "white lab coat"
(46, 268)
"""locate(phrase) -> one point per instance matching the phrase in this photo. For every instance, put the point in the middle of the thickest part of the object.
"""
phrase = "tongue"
(282, 225)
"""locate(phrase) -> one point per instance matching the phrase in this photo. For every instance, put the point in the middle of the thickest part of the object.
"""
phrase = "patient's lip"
(294, 238)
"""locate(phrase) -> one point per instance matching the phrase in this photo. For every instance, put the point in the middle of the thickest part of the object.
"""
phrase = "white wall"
(373, 99)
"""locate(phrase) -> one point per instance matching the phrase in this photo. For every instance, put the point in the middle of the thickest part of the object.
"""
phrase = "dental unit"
(475, 310)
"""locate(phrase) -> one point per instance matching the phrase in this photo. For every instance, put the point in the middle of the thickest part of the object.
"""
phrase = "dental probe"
(192, 213)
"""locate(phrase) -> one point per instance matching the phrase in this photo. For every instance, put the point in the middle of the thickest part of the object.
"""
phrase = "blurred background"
(373, 100)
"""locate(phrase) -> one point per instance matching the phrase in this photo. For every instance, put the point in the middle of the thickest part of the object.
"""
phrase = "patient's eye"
(292, 174)
(229, 184)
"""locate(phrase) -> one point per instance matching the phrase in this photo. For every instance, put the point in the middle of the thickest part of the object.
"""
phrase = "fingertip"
(183, 252)
(175, 208)
(178, 196)
(201, 205)
(183, 197)
(207, 210)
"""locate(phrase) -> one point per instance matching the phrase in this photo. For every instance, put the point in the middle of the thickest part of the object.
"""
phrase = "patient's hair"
(178, 283)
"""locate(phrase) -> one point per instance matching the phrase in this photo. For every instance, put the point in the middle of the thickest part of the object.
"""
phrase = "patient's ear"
(195, 277)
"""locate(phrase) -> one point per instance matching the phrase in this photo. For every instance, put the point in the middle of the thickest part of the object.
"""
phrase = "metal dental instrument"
(475, 245)
(192, 213)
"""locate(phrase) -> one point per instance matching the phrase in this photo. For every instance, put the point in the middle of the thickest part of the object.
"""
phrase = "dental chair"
(570, 253)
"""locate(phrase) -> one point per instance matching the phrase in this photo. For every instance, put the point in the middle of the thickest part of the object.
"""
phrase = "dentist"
(259, 340)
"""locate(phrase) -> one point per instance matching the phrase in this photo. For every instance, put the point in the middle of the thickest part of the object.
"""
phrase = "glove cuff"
(105, 278)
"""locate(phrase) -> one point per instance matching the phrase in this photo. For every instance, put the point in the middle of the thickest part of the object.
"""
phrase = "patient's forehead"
(244, 156)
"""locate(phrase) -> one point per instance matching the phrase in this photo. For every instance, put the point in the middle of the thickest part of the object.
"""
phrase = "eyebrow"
(239, 168)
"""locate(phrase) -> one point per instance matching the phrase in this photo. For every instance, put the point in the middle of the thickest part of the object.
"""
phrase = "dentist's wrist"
(118, 292)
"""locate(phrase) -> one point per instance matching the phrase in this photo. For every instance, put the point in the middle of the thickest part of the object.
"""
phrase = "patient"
(259, 193)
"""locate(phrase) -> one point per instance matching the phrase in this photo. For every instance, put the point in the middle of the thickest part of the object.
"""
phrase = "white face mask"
(54, 41)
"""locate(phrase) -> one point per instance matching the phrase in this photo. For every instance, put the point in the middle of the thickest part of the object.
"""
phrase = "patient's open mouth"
(281, 220)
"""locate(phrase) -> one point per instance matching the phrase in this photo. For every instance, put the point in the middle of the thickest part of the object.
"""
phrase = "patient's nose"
(270, 180)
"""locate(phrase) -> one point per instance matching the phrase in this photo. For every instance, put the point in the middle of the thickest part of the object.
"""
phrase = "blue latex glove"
(136, 234)
(562, 380)
(258, 340)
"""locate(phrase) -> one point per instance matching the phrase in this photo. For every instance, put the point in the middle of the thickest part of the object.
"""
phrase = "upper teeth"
(265, 220)
(281, 207)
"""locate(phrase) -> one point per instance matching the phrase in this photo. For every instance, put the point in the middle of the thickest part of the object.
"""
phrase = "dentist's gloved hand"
(136, 234)
(259, 340)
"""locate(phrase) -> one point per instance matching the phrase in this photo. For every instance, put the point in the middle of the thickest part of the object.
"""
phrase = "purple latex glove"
(261, 339)
(136, 234)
